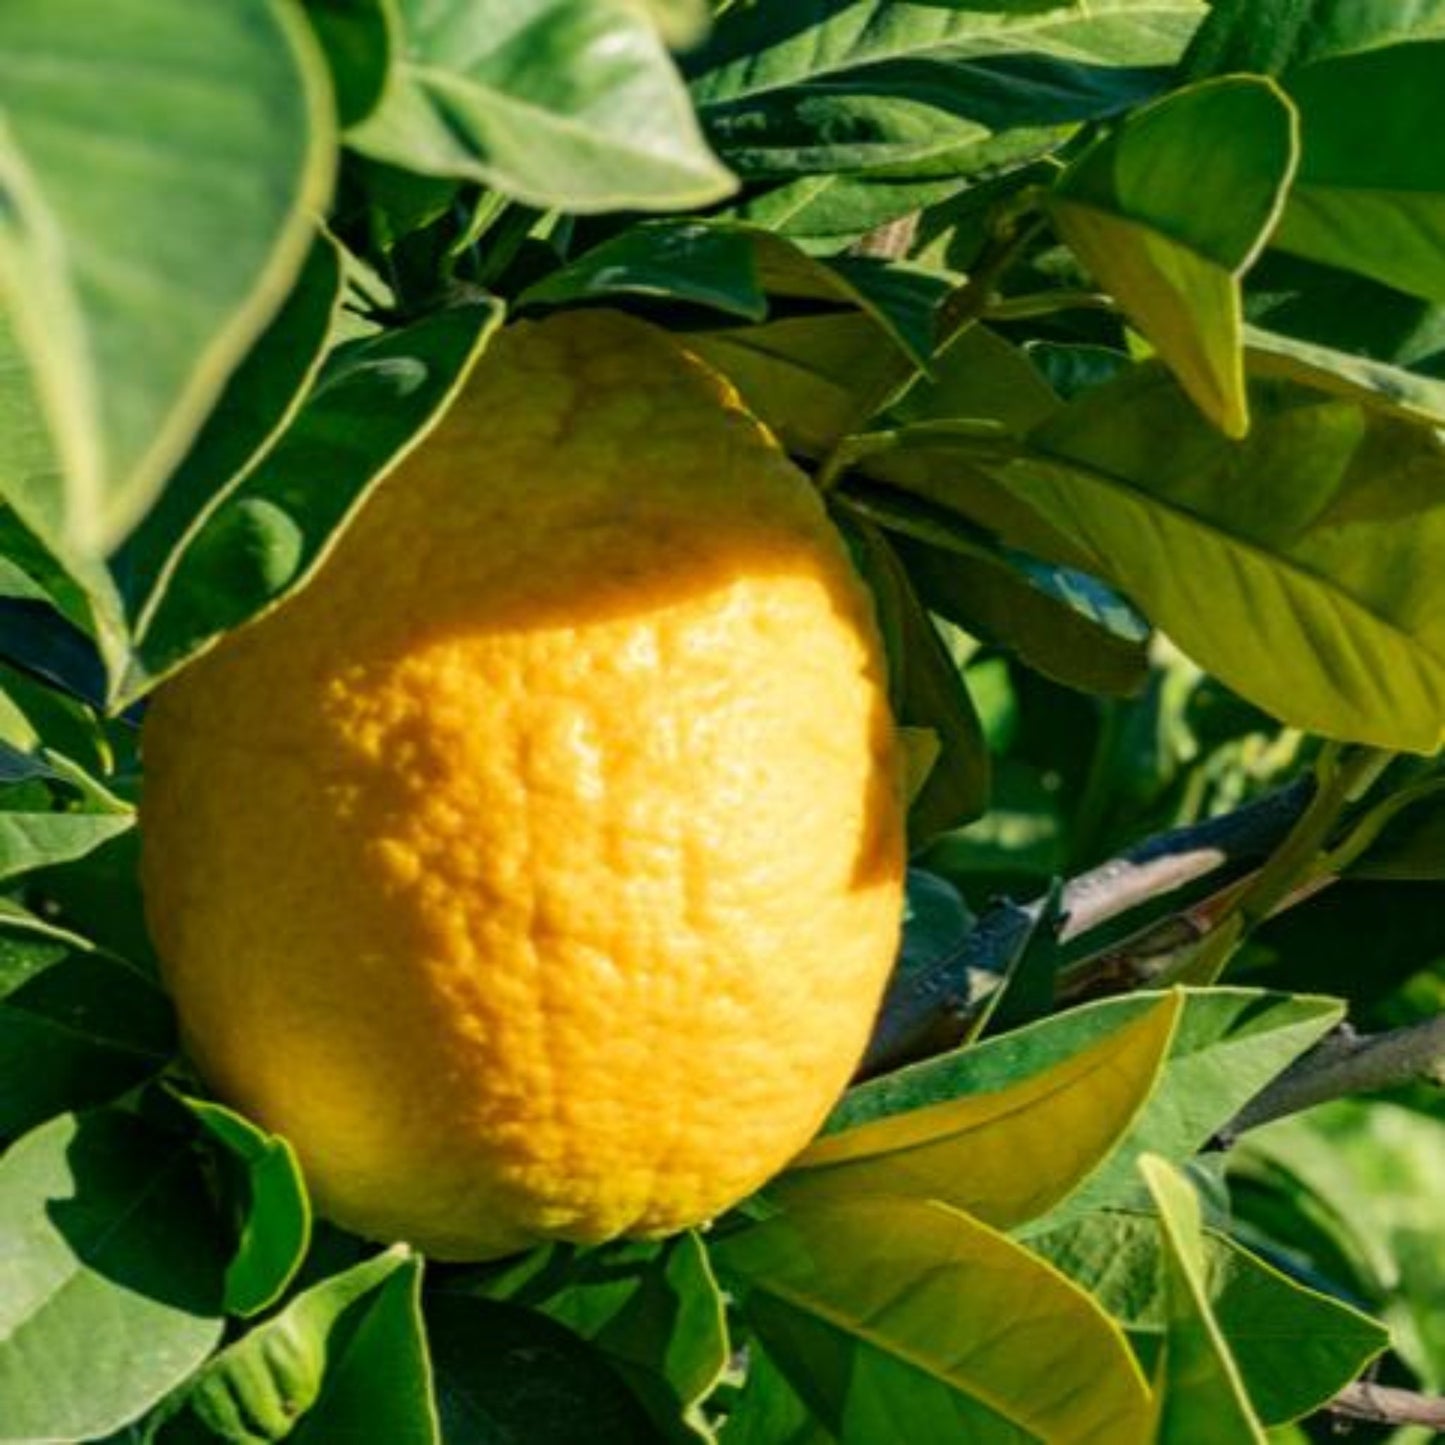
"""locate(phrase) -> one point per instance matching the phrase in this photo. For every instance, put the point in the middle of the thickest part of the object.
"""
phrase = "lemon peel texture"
(538, 868)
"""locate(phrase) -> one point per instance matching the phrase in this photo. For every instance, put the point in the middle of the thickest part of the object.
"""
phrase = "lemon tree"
(720, 721)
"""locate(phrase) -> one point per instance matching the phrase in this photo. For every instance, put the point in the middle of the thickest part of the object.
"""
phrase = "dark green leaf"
(757, 50)
(554, 103)
(373, 402)
(205, 133)
(378, 1383)
(1270, 37)
(1026, 992)
(1065, 623)
(1370, 193)
(358, 37)
(770, 1412)
(735, 269)
(928, 692)
(275, 1214)
(77, 1027)
(653, 1310)
(113, 1265)
(925, 117)
(261, 399)
(705, 265)
(508, 1376)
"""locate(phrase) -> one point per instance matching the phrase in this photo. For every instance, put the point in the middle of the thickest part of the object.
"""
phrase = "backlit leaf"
(1202, 1400)
(1170, 209)
(1005, 1154)
(1298, 565)
(905, 1319)
(1295, 1348)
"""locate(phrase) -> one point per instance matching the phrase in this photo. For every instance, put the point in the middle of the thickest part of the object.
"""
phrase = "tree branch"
(929, 1009)
(1386, 1405)
(1346, 1063)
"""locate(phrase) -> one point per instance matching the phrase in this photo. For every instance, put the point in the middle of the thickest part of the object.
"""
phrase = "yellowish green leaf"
(903, 1319)
(1201, 1397)
(1169, 211)
(1006, 1155)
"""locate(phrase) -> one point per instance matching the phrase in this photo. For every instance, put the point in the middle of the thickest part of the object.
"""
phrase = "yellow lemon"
(538, 868)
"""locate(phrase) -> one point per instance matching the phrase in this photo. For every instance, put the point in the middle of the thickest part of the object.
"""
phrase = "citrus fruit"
(536, 870)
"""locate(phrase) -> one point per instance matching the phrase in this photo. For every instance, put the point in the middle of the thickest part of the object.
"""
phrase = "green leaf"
(378, 1383)
(1295, 1347)
(735, 269)
(1202, 1399)
(1374, 1171)
(1375, 384)
(1298, 566)
(755, 50)
(77, 1027)
(978, 376)
(1410, 842)
(770, 1412)
(374, 401)
(506, 1374)
(260, 400)
(275, 1214)
(902, 1319)
(1269, 37)
(809, 379)
(359, 38)
(823, 214)
(929, 115)
(261, 1385)
(1229, 1044)
(1061, 621)
(1169, 211)
(928, 691)
(1370, 196)
(110, 1285)
(30, 840)
(66, 614)
(577, 107)
(205, 134)
(653, 1310)
(950, 1129)
(705, 265)
(937, 960)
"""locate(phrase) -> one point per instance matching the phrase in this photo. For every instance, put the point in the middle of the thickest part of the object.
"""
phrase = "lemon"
(537, 869)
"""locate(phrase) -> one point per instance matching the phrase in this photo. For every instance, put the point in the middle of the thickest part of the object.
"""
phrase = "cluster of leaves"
(1088, 319)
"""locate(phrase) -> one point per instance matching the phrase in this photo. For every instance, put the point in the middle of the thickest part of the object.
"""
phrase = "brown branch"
(889, 242)
(1347, 1063)
(930, 1009)
(1387, 1405)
